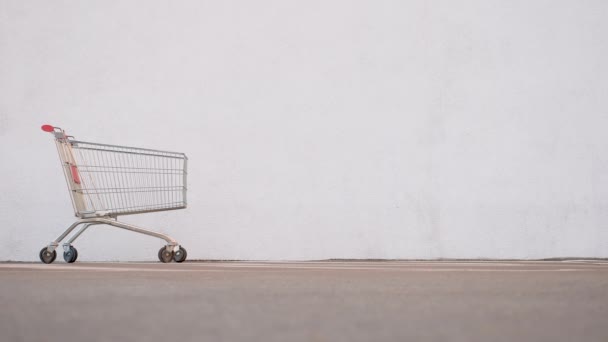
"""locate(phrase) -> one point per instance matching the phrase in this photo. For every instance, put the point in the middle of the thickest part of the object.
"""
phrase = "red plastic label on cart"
(75, 175)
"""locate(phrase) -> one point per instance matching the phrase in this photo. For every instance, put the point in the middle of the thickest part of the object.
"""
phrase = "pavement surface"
(305, 301)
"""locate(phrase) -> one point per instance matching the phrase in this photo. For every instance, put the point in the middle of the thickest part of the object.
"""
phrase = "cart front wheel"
(180, 256)
(165, 255)
(46, 256)
(71, 255)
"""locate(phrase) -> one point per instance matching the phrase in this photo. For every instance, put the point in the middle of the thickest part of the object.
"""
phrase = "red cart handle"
(48, 128)
(58, 132)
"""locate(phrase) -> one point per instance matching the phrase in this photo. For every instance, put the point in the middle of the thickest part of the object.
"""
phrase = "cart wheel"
(46, 256)
(165, 255)
(180, 256)
(71, 255)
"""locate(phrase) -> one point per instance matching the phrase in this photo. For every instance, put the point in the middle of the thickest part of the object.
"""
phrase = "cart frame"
(106, 181)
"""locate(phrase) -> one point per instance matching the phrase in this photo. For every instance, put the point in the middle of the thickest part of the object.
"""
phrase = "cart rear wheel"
(165, 255)
(46, 256)
(71, 255)
(180, 255)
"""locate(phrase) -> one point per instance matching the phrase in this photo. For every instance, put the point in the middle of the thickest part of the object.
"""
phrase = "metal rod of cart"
(107, 181)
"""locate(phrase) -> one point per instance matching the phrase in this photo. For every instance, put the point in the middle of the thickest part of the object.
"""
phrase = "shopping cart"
(107, 181)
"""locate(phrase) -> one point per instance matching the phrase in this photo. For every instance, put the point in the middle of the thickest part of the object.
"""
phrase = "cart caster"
(165, 255)
(46, 256)
(71, 255)
(180, 256)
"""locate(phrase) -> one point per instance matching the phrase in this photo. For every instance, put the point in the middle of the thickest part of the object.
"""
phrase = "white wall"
(318, 129)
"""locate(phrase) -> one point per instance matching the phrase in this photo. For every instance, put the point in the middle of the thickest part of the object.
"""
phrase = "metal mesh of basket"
(118, 180)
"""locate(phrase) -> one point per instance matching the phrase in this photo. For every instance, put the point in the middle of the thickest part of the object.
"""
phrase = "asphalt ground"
(305, 301)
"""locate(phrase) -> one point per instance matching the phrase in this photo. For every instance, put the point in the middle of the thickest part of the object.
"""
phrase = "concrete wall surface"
(318, 129)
